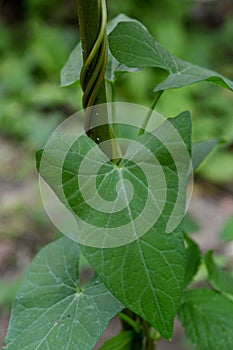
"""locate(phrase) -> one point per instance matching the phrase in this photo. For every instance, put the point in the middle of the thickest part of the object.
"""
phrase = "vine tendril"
(92, 73)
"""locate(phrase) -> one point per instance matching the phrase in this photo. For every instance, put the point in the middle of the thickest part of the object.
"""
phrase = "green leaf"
(131, 44)
(226, 233)
(115, 70)
(193, 259)
(207, 318)
(146, 275)
(51, 312)
(200, 150)
(122, 341)
(70, 73)
(220, 279)
(119, 18)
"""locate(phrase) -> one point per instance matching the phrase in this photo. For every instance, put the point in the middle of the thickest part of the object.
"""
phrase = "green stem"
(145, 336)
(129, 321)
(92, 18)
(115, 130)
(117, 149)
(147, 117)
(149, 343)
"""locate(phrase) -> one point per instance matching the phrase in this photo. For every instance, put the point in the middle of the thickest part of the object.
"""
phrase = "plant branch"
(128, 322)
(147, 117)
(145, 336)
(149, 343)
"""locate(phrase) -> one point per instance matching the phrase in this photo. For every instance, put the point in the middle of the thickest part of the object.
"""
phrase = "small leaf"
(131, 44)
(51, 312)
(207, 318)
(226, 233)
(220, 279)
(70, 73)
(122, 341)
(193, 259)
(200, 150)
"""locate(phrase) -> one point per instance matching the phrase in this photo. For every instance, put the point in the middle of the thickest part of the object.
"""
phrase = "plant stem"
(117, 153)
(147, 117)
(128, 322)
(143, 339)
(113, 93)
(92, 24)
(149, 343)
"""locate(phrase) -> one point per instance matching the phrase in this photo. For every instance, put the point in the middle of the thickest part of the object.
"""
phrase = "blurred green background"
(36, 37)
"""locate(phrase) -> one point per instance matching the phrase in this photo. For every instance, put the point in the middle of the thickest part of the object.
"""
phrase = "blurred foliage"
(36, 37)
(226, 233)
(32, 54)
(8, 292)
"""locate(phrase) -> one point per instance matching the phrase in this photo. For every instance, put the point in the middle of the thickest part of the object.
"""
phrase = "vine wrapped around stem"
(92, 73)
(92, 16)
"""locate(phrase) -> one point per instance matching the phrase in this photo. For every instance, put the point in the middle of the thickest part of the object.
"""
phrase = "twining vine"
(92, 73)
(92, 17)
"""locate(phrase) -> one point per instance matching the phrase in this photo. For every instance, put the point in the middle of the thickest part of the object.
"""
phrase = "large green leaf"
(193, 259)
(70, 73)
(131, 44)
(207, 318)
(51, 311)
(147, 273)
(220, 279)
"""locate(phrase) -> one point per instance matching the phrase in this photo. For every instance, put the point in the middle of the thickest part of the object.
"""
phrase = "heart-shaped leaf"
(142, 265)
(131, 44)
(51, 311)
(147, 274)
